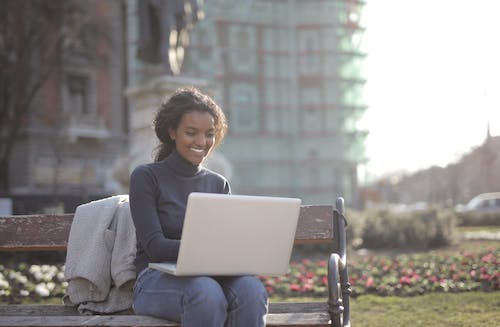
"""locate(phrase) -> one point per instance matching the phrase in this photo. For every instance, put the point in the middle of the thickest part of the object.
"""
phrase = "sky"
(433, 81)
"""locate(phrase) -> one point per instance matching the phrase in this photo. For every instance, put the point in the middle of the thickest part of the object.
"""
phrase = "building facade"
(77, 123)
(288, 76)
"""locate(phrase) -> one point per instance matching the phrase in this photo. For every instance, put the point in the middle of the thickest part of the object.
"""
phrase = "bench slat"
(315, 224)
(62, 310)
(281, 320)
(36, 232)
(281, 314)
(50, 232)
(71, 321)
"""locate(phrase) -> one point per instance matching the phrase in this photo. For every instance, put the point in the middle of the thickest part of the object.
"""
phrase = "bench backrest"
(50, 232)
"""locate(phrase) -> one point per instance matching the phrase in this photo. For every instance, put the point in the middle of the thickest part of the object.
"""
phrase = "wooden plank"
(69, 321)
(62, 310)
(50, 232)
(281, 320)
(35, 232)
(298, 319)
(37, 310)
(304, 307)
(315, 224)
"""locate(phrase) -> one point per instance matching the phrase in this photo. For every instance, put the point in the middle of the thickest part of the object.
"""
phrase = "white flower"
(34, 269)
(41, 289)
(24, 293)
(18, 277)
(51, 286)
(4, 284)
(60, 276)
(38, 275)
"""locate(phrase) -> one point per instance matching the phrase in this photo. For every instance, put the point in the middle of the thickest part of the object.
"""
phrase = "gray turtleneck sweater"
(158, 197)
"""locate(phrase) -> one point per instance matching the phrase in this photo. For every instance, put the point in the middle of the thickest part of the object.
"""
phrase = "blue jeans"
(201, 301)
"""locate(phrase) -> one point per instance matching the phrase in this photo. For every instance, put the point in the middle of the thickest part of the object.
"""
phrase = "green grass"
(437, 309)
(478, 309)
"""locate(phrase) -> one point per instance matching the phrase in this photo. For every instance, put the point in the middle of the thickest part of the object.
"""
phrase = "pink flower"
(485, 277)
(405, 280)
(324, 280)
(307, 287)
(488, 258)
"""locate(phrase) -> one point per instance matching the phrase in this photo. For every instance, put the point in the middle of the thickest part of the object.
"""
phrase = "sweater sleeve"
(145, 216)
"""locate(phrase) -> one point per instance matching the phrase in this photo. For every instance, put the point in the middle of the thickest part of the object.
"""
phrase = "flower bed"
(403, 275)
(22, 282)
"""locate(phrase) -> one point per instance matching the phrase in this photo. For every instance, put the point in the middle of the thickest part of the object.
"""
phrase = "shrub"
(418, 229)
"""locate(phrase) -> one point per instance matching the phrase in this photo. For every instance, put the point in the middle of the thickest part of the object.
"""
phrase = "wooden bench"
(317, 224)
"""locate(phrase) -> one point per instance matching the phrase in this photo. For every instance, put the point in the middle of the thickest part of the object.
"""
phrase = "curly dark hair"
(169, 115)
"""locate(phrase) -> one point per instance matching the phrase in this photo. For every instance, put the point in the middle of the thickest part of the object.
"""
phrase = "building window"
(75, 27)
(309, 52)
(314, 173)
(311, 112)
(78, 95)
(242, 49)
(245, 115)
(205, 44)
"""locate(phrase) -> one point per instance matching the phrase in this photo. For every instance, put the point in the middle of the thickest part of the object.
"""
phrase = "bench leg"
(346, 292)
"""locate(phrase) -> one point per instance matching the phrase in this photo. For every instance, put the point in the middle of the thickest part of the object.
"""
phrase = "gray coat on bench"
(99, 266)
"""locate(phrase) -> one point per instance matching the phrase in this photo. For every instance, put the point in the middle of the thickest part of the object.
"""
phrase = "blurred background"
(376, 101)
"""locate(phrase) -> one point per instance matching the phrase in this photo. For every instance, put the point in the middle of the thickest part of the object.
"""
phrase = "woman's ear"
(171, 133)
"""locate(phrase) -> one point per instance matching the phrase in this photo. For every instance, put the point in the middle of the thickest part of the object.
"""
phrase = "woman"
(189, 126)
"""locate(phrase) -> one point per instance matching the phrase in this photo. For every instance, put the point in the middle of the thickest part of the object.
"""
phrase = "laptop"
(226, 235)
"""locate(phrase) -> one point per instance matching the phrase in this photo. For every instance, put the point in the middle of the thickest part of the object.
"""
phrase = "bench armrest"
(339, 287)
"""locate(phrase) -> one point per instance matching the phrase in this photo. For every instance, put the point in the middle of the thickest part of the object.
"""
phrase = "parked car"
(485, 202)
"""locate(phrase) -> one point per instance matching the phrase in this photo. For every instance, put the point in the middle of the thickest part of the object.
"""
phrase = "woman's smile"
(195, 136)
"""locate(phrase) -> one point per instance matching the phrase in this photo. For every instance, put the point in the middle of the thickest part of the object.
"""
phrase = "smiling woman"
(189, 125)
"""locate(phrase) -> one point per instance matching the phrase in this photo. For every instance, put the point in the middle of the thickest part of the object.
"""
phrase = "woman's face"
(195, 136)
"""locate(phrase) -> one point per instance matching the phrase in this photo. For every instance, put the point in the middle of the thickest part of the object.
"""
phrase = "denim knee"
(247, 300)
(247, 289)
(205, 297)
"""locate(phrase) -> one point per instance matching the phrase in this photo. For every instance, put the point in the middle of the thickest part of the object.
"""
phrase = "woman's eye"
(211, 135)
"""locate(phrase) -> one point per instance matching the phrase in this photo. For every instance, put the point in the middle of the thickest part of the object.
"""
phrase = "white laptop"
(235, 235)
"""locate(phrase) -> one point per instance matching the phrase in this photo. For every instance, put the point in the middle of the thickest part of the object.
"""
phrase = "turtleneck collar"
(180, 165)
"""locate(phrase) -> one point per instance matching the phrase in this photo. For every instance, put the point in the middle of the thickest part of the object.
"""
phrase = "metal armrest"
(339, 287)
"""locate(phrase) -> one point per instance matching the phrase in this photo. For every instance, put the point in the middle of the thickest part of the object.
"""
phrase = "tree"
(31, 39)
